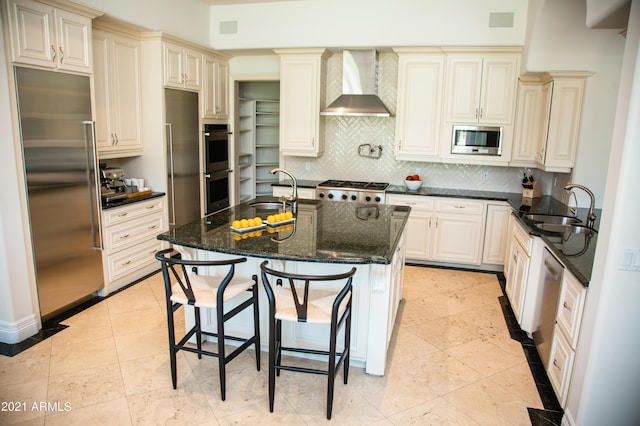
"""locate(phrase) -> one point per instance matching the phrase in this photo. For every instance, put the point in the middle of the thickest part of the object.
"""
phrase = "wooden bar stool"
(300, 302)
(209, 292)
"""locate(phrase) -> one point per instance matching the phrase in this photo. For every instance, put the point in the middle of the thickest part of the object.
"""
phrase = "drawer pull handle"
(124, 237)
(556, 365)
(458, 207)
(151, 207)
(126, 263)
(567, 307)
(123, 214)
(152, 227)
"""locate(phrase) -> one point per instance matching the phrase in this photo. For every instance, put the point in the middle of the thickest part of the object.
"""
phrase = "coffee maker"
(112, 185)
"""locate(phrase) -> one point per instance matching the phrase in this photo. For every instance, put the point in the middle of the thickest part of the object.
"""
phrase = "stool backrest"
(302, 303)
(170, 263)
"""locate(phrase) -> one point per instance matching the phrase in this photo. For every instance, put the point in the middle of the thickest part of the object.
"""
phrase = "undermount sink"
(565, 229)
(266, 205)
(552, 219)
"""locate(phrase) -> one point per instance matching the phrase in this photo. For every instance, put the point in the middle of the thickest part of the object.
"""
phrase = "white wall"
(376, 23)
(558, 39)
(187, 19)
(606, 383)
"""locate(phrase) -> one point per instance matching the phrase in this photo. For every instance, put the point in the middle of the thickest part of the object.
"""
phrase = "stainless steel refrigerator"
(59, 152)
(183, 156)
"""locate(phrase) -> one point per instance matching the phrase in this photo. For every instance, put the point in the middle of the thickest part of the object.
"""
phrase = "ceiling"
(230, 2)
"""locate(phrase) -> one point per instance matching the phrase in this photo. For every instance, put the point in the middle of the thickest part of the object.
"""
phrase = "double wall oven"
(216, 167)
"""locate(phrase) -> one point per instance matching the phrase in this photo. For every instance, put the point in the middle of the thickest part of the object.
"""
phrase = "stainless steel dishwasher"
(548, 305)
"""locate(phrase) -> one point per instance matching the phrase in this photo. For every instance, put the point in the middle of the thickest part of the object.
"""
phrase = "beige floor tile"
(88, 387)
(142, 344)
(246, 391)
(139, 297)
(70, 358)
(506, 343)
(349, 408)
(184, 405)
(437, 412)
(490, 404)
(283, 414)
(25, 394)
(442, 372)
(405, 345)
(444, 332)
(484, 357)
(519, 381)
(94, 323)
(30, 365)
(114, 412)
(137, 321)
(142, 375)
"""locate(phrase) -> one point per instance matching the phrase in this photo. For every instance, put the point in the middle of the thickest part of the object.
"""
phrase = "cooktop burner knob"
(377, 199)
(321, 195)
(344, 196)
(330, 196)
(353, 197)
(368, 198)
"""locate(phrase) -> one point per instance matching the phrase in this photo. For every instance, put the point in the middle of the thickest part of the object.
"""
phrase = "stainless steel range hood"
(358, 87)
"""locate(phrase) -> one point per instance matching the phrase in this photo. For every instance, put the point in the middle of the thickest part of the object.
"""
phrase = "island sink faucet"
(294, 191)
(591, 216)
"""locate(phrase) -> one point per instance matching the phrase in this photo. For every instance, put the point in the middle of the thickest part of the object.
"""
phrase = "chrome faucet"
(294, 190)
(591, 216)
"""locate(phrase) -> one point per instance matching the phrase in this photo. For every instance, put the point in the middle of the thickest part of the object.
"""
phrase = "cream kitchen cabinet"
(117, 94)
(182, 67)
(496, 234)
(481, 86)
(459, 231)
(565, 335)
(441, 229)
(285, 191)
(215, 87)
(129, 235)
(302, 95)
(548, 121)
(49, 36)
(420, 97)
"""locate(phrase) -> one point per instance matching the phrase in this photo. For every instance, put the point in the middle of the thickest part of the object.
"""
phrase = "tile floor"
(452, 361)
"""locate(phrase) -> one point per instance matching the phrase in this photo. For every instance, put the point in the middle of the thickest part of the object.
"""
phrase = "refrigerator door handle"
(172, 210)
(94, 204)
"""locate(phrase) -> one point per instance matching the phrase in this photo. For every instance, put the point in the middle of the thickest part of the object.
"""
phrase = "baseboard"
(14, 332)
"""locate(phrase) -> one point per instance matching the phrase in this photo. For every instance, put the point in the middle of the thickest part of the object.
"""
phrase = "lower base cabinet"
(129, 236)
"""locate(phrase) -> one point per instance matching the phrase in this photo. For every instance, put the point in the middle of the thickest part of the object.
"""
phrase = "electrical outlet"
(307, 166)
(485, 175)
(555, 181)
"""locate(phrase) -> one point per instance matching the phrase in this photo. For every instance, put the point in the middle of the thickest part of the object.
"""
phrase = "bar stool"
(209, 292)
(298, 302)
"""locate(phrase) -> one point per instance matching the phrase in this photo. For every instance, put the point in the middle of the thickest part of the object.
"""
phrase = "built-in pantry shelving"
(258, 140)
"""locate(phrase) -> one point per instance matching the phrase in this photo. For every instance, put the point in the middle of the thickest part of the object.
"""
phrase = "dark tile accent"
(53, 326)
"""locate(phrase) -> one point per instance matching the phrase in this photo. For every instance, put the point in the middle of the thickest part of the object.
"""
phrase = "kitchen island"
(326, 237)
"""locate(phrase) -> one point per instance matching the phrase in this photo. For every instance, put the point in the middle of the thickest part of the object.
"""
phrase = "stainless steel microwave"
(476, 140)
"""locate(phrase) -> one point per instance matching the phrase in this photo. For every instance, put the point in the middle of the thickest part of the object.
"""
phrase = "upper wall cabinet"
(420, 92)
(481, 86)
(182, 67)
(548, 119)
(302, 94)
(215, 87)
(117, 94)
(50, 37)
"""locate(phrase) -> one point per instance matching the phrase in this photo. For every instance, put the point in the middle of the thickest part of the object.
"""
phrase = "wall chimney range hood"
(358, 96)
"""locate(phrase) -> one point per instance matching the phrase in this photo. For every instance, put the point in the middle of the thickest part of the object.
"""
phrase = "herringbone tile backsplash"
(343, 135)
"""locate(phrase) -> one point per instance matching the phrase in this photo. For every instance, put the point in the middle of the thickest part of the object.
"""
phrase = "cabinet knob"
(556, 365)
(567, 307)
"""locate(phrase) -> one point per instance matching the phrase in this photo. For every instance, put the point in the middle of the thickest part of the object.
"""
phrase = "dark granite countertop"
(325, 231)
(126, 201)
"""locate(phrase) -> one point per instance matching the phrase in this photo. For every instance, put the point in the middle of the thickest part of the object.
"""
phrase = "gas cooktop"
(354, 184)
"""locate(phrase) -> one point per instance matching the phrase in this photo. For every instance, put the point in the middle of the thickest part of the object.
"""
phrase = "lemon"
(244, 223)
(281, 217)
(236, 224)
(257, 220)
(289, 215)
(251, 222)
(236, 237)
(271, 218)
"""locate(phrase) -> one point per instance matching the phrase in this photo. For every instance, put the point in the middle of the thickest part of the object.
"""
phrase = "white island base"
(377, 291)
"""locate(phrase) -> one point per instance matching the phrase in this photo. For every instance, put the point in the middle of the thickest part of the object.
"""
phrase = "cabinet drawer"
(125, 235)
(413, 201)
(560, 366)
(130, 260)
(570, 307)
(131, 211)
(455, 205)
(521, 235)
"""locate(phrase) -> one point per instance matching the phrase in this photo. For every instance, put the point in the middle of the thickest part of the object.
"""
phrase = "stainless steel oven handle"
(172, 210)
